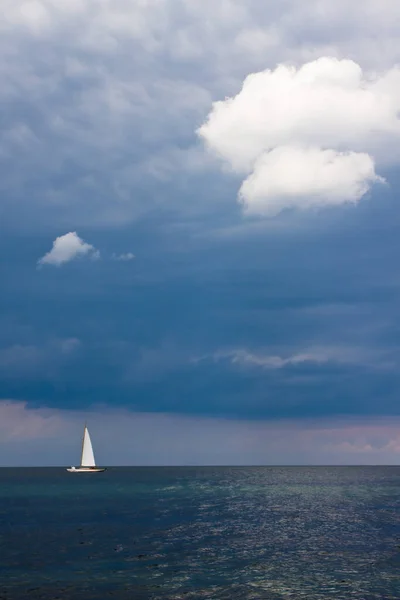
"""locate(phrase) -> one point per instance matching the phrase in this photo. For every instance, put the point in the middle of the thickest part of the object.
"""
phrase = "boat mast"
(83, 441)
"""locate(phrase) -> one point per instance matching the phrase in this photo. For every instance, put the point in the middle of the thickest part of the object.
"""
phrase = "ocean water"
(153, 533)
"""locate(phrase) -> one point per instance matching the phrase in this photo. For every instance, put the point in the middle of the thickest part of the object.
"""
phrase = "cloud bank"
(117, 71)
(307, 136)
(66, 248)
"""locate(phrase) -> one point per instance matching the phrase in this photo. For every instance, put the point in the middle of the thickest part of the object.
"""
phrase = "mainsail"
(87, 459)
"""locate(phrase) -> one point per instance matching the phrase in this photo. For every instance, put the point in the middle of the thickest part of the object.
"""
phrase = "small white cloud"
(125, 257)
(66, 248)
(308, 136)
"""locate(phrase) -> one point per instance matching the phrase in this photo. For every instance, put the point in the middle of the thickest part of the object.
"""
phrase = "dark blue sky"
(170, 330)
(220, 315)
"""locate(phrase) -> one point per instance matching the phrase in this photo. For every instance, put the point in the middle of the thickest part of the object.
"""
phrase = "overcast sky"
(199, 231)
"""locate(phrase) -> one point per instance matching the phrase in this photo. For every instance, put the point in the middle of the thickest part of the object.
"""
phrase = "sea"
(274, 533)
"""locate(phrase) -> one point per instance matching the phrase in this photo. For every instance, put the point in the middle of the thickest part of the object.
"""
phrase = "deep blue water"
(263, 532)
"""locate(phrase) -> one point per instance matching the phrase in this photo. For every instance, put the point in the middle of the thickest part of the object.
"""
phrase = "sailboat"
(88, 464)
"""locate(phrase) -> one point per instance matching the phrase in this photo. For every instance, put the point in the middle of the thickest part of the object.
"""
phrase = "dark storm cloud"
(171, 330)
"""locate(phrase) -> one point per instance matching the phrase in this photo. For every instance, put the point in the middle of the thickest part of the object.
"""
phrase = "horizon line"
(222, 466)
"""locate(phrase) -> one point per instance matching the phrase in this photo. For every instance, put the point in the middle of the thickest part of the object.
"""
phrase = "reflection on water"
(273, 533)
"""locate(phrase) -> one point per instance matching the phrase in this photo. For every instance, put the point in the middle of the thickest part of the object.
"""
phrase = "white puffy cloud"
(307, 136)
(66, 248)
(306, 177)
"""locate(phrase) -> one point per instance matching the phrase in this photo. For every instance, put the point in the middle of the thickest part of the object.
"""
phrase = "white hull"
(85, 470)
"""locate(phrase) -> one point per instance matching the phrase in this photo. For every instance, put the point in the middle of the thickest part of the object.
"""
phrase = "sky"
(199, 225)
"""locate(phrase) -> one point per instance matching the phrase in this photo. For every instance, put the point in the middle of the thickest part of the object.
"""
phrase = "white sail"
(87, 459)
